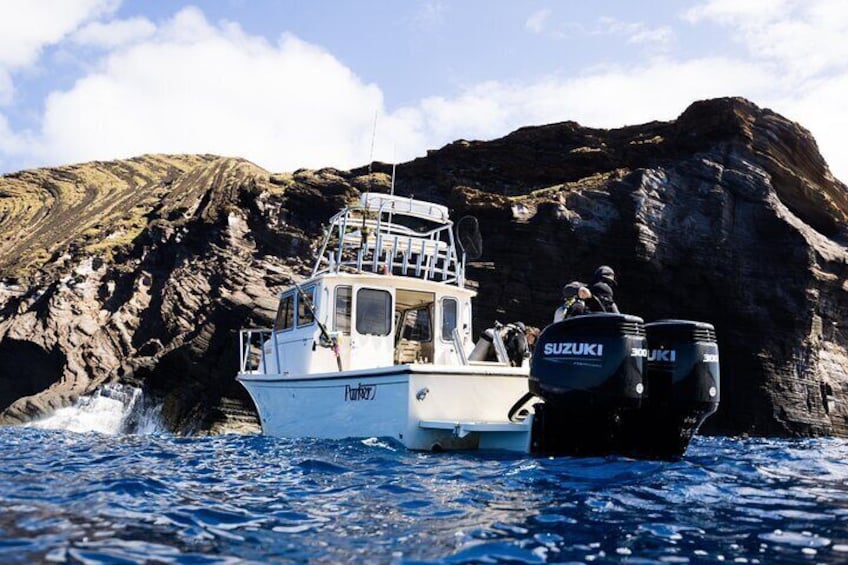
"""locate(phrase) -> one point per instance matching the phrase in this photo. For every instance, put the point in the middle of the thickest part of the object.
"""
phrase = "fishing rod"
(325, 335)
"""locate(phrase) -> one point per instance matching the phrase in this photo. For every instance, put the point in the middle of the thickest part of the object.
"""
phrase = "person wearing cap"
(574, 297)
(601, 285)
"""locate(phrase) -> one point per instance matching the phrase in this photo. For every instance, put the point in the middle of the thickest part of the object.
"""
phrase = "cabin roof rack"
(395, 235)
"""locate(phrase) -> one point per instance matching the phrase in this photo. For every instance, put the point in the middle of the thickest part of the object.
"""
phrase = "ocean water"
(95, 498)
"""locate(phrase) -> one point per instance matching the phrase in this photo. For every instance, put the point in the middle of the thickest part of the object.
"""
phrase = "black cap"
(604, 273)
(571, 289)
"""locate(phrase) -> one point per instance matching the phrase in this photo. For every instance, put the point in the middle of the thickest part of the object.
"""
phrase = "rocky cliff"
(141, 270)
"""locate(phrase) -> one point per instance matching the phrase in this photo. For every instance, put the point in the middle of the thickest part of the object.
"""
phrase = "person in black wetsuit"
(575, 296)
(603, 299)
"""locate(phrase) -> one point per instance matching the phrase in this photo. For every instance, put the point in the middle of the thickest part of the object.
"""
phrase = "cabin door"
(372, 331)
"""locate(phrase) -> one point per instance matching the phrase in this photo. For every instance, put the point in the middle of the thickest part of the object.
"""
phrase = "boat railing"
(388, 203)
(376, 236)
(457, 345)
(252, 355)
(500, 348)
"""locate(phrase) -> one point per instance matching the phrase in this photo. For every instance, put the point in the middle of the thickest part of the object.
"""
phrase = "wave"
(111, 409)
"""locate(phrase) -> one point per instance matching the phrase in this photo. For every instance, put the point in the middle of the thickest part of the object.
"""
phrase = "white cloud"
(609, 98)
(803, 38)
(114, 34)
(430, 14)
(613, 26)
(657, 36)
(537, 20)
(6, 87)
(198, 88)
(638, 33)
(27, 27)
(734, 11)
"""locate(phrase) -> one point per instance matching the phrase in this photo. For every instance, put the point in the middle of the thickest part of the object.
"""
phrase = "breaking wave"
(111, 409)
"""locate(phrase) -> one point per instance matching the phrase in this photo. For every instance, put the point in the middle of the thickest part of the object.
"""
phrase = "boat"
(378, 342)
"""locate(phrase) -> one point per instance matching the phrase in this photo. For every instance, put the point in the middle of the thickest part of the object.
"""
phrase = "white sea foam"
(112, 409)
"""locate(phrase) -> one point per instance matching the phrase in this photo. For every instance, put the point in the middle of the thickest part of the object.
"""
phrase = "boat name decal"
(360, 392)
(662, 355)
(571, 348)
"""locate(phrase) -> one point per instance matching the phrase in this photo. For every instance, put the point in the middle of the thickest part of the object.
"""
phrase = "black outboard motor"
(588, 369)
(681, 387)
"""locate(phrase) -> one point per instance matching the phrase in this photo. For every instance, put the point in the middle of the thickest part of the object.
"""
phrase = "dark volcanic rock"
(136, 271)
(141, 270)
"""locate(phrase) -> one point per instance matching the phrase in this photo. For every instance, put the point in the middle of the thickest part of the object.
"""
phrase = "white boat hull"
(425, 407)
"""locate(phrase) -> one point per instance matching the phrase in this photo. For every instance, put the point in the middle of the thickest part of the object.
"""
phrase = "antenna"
(371, 156)
(370, 184)
(394, 167)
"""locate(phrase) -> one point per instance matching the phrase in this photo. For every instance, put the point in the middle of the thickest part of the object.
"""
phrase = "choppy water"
(129, 498)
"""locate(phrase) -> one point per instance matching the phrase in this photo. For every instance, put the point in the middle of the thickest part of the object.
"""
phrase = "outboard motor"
(588, 369)
(681, 386)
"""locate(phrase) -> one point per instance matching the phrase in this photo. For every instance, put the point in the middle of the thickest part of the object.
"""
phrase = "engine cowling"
(682, 386)
(588, 370)
(682, 366)
(596, 358)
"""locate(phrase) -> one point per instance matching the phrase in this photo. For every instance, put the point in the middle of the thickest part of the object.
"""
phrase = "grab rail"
(372, 237)
(500, 348)
(252, 349)
(457, 344)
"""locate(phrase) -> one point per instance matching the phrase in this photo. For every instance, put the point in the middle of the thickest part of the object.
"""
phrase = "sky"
(313, 83)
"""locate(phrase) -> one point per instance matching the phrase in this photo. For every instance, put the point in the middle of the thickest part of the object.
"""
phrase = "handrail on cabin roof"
(420, 252)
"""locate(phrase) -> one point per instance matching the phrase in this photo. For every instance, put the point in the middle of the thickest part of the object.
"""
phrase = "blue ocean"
(95, 498)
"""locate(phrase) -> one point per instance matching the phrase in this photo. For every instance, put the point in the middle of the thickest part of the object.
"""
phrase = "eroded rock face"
(142, 270)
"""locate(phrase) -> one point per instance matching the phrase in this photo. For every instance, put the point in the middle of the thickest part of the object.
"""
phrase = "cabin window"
(449, 309)
(285, 313)
(373, 312)
(341, 316)
(416, 325)
(304, 312)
